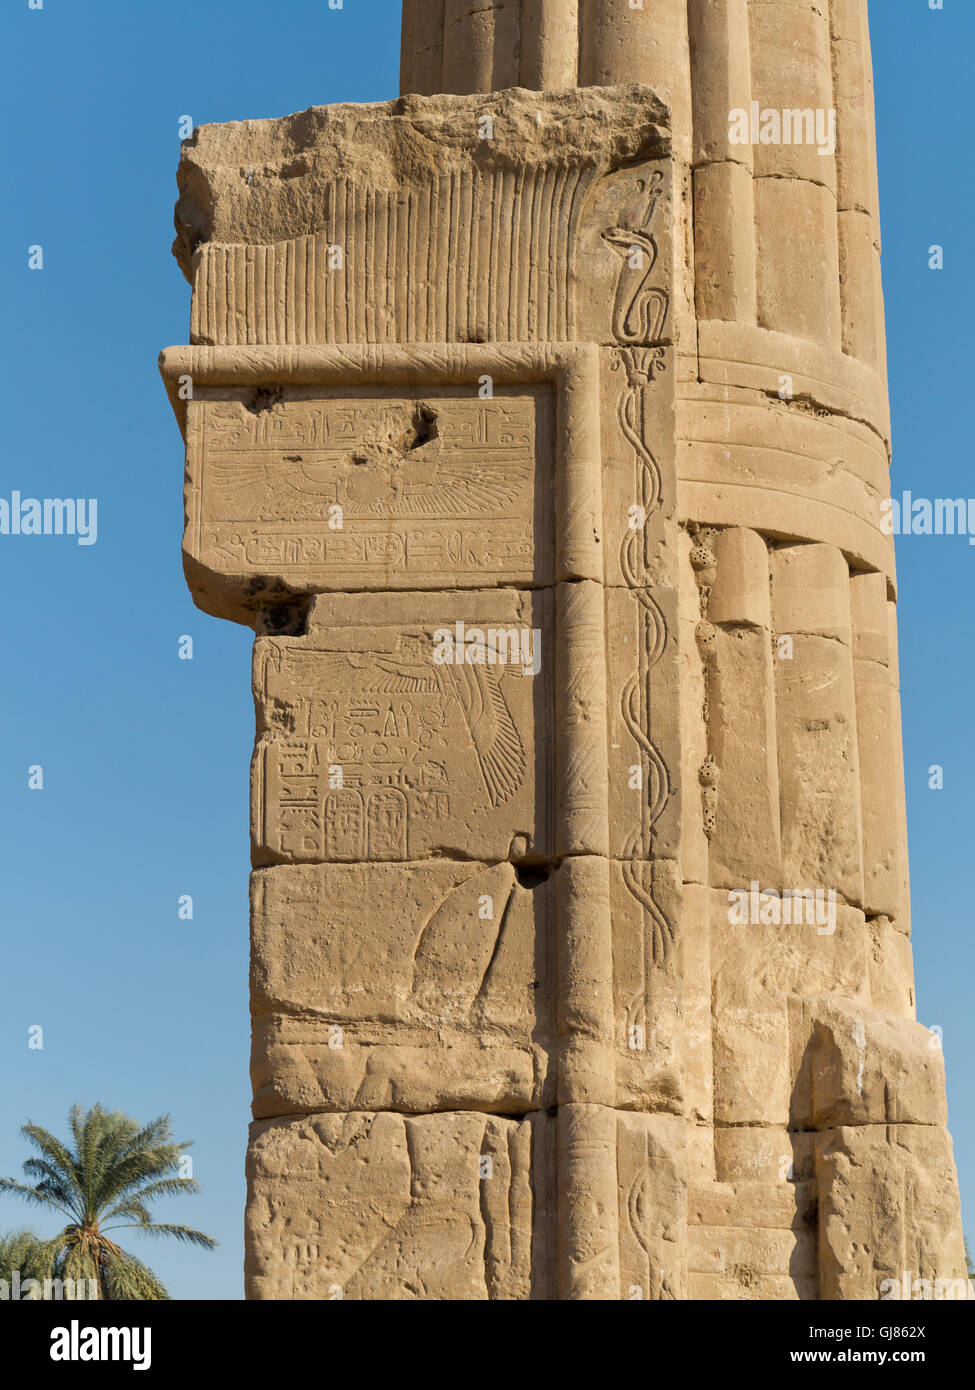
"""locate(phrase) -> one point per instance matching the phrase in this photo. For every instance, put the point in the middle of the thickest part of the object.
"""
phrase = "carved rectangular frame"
(571, 369)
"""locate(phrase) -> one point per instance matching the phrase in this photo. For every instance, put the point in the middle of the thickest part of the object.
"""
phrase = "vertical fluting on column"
(857, 199)
(875, 732)
(584, 1009)
(817, 728)
(620, 43)
(580, 754)
(745, 844)
(588, 1210)
(797, 250)
(795, 184)
(902, 920)
(724, 204)
(549, 44)
(480, 47)
(421, 60)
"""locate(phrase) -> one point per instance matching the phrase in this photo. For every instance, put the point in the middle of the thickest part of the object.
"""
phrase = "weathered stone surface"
(871, 1068)
(647, 973)
(762, 1154)
(819, 768)
(781, 1206)
(746, 841)
(698, 1025)
(750, 1051)
(361, 490)
(747, 458)
(429, 1207)
(443, 998)
(307, 473)
(384, 1206)
(411, 193)
(466, 985)
(891, 969)
(902, 918)
(540, 434)
(824, 949)
(869, 1175)
(396, 730)
(811, 592)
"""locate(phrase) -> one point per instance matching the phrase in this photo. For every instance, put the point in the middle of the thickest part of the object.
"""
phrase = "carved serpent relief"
(639, 316)
(640, 309)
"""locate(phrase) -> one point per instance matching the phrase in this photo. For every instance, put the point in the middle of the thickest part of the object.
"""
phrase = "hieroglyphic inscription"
(388, 491)
(375, 751)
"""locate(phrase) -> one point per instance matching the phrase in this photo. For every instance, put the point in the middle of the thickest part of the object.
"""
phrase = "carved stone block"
(382, 1206)
(400, 728)
(452, 1206)
(465, 985)
(367, 489)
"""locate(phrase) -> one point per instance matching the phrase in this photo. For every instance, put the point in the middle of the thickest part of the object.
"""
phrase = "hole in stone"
(422, 429)
(531, 875)
(264, 398)
(288, 619)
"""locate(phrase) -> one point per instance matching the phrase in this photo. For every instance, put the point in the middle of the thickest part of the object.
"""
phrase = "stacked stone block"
(580, 965)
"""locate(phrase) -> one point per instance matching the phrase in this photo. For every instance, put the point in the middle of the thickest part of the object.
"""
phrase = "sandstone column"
(539, 430)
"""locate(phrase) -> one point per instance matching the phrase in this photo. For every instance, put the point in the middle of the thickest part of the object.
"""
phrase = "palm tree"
(26, 1253)
(102, 1182)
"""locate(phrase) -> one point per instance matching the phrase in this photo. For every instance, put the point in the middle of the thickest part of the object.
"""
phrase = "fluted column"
(586, 977)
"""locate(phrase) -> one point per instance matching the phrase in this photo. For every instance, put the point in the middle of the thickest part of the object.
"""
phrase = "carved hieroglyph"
(369, 491)
(376, 750)
(540, 436)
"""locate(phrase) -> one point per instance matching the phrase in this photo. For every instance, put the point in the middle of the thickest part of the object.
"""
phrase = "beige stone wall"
(790, 722)
(531, 1014)
(805, 1048)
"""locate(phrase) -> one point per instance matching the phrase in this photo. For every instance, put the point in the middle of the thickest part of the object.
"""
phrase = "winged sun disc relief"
(399, 465)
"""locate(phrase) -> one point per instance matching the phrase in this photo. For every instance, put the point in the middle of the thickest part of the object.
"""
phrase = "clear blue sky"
(145, 757)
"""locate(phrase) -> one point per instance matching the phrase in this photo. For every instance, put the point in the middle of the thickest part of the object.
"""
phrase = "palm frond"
(31, 1194)
(129, 1279)
(49, 1181)
(165, 1187)
(25, 1253)
(61, 1159)
(186, 1234)
(131, 1206)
